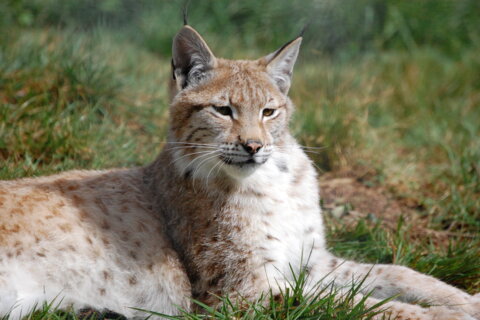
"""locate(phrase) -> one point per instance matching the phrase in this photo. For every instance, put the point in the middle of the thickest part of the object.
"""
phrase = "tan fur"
(208, 217)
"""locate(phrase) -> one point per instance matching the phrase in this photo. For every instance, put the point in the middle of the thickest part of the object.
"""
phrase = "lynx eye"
(224, 111)
(268, 112)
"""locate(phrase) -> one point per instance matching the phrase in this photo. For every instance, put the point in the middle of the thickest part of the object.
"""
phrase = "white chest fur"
(281, 206)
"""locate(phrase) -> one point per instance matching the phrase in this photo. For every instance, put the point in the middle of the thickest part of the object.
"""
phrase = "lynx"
(230, 206)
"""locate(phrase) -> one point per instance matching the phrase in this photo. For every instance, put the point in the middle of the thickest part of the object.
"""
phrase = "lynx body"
(230, 206)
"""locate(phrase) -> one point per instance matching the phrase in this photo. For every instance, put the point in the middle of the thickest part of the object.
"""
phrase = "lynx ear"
(279, 64)
(192, 58)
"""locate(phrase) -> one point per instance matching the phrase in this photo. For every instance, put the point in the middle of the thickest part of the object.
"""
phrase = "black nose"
(252, 146)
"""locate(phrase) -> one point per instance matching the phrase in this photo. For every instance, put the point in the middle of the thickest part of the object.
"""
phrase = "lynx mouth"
(249, 162)
(243, 167)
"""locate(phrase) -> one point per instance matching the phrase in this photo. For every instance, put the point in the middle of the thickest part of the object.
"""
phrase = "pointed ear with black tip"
(192, 58)
(279, 64)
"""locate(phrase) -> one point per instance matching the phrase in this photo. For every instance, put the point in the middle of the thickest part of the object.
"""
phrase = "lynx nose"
(252, 146)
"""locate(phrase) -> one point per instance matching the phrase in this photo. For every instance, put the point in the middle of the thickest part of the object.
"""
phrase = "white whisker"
(190, 154)
(222, 163)
(191, 147)
(198, 168)
(310, 151)
(191, 143)
(208, 175)
(199, 158)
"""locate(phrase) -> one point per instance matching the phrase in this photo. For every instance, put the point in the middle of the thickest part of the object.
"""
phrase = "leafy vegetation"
(392, 86)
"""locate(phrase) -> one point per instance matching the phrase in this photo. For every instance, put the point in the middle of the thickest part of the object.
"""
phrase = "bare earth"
(345, 195)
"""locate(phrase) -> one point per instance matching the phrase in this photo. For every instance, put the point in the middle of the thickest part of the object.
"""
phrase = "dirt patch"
(357, 199)
(350, 196)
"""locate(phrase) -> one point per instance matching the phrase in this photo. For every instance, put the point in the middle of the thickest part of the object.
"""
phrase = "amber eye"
(268, 112)
(225, 111)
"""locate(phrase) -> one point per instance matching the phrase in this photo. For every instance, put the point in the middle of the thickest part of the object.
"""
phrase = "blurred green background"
(390, 90)
(335, 27)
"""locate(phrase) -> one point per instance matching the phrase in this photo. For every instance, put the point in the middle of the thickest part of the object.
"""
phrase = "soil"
(351, 195)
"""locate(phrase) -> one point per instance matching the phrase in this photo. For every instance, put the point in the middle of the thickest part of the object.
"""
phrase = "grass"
(326, 302)
(63, 105)
(321, 302)
(409, 113)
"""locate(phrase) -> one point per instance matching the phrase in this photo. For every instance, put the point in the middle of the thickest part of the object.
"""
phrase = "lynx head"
(227, 116)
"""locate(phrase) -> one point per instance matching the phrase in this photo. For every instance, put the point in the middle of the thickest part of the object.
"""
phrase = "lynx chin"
(230, 206)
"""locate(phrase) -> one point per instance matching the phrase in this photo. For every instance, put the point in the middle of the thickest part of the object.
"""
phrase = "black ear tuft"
(302, 32)
(185, 12)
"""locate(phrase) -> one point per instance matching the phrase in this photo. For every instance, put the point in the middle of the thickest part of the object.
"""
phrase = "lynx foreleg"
(384, 281)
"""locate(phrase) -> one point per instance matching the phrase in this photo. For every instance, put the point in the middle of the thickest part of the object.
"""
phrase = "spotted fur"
(230, 206)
